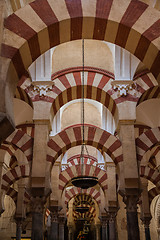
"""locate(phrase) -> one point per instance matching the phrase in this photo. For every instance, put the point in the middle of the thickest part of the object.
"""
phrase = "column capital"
(98, 225)
(131, 202)
(55, 212)
(37, 204)
(18, 220)
(146, 220)
(54, 217)
(61, 220)
(104, 219)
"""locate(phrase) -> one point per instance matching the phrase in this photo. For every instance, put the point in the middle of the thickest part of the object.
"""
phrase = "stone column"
(104, 224)
(145, 208)
(18, 229)
(20, 208)
(7, 85)
(61, 221)
(146, 223)
(53, 235)
(98, 235)
(70, 232)
(37, 204)
(112, 227)
(132, 218)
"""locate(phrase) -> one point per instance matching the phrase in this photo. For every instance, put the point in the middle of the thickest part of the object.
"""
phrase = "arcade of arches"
(41, 131)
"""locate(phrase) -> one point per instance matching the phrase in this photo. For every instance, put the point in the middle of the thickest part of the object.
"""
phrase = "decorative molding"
(123, 86)
(80, 68)
(42, 87)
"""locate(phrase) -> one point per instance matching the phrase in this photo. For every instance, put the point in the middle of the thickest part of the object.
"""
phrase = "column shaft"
(18, 231)
(147, 233)
(112, 230)
(61, 231)
(104, 231)
(37, 226)
(132, 226)
(54, 231)
(37, 204)
(132, 218)
(98, 236)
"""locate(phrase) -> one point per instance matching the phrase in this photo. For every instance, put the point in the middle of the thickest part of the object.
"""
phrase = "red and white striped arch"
(74, 191)
(22, 95)
(132, 25)
(144, 83)
(97, 87)
(13, 175)
(23, 141)
(27, 128)
(152, 193)
(89, 170)
(9, 148)
(146, 140)
(14, 194)
(68, 87)
(151, 174)
(153, 92)
(13, 162)
(88, 159)
(94, 136)
(139, 129)
(153, 156)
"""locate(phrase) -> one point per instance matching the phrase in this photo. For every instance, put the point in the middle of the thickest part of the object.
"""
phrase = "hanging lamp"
(81, 209)
(83, 181)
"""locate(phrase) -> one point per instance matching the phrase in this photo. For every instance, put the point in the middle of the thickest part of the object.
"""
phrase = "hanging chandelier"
(83, 181)
(81, 209)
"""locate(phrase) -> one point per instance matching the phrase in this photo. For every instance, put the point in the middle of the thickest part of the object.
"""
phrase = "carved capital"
(55, 212)
(61, 220)
(131, 202)
(37, 204)
(104, 220)
(42, 87)
(19, 221)
(146, 221)
(54, 217)
(123, 86)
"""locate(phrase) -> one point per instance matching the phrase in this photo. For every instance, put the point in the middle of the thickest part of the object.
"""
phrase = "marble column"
(53, 235)
(104, 224)
(132, 218)
(70, 232)
(18, 229)
(145, 208)
(112, 226)
(146, 223)
(61, 221)
(37, 204)
(98, 234)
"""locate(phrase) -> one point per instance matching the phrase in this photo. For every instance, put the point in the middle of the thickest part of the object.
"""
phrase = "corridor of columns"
(79, 99)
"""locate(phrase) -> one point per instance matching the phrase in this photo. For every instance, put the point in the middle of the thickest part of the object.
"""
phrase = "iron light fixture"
(83, 181)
